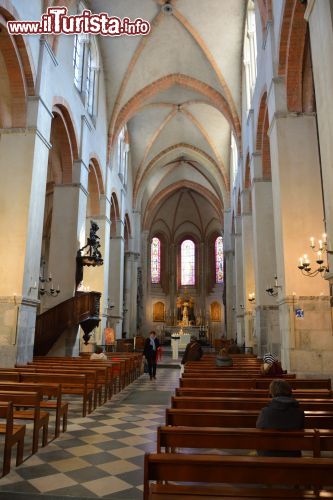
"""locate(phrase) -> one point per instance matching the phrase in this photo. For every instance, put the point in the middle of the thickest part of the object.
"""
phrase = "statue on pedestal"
(185, 310)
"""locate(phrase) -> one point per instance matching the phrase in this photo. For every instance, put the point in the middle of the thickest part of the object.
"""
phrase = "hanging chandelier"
(321, 251)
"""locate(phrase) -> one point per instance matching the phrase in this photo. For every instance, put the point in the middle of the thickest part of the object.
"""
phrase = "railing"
(82, 309)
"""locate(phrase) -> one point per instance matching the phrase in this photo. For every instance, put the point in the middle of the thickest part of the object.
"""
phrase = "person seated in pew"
(193, 351)
(99, 354)
(223, 358)
(271, 366)
(283, 413)
(233, 347)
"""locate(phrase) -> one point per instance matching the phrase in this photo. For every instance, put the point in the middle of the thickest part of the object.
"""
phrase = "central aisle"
(102, 454)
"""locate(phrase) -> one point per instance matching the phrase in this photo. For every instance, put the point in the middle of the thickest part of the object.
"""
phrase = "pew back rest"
(240, 439)
(316, 472)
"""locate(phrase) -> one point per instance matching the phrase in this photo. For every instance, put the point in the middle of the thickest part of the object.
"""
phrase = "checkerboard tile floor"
(101, 455)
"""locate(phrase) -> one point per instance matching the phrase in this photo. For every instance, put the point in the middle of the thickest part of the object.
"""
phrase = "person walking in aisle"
(150, 352)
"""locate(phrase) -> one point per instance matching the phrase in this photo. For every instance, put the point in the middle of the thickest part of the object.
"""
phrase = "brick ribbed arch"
(19, 66)
(291, 53)
(266, 12)
(262, 142)
(141, 176)
(247, 182)
(162, 84)
(165, 193)
(64, 134)
(95, 188)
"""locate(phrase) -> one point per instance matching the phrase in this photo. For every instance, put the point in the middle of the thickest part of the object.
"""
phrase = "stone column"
(66, 227)
(131, 276)
(229, 271)
(97, 277)
(22, 192)
(298, 214)
(173, 282)
(239, 306)
(248, 271)
(264, 258)
(116, 279)
(319, 14)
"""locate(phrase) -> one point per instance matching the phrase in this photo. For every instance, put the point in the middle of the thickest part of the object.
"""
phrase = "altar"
(184, 334)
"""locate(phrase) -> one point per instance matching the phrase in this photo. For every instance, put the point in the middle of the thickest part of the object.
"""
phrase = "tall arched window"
(155, 260)
(78, 60)
(187, 259)
(250, 53)
(219, 260)
(92, 74)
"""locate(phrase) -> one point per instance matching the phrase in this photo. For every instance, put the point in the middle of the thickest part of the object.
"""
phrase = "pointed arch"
(262, 141)
(18, 71)
(162, 84)
(291, 52)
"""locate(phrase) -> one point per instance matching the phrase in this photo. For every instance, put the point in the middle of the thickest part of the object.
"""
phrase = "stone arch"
(247, 180)
(164, 83)
(262, 141)
(154, 201)
(62, 108)
(114, 214)
(266, 12)
(239, 205)
(95, 188)
(16, 67)
(63, 150)
(291, 52)
(141, 176)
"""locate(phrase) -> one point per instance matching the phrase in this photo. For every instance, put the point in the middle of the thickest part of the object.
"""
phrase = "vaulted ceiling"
(179, 92)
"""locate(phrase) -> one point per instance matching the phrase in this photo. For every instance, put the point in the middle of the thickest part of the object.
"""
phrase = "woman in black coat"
(150, 352)
(283, 413)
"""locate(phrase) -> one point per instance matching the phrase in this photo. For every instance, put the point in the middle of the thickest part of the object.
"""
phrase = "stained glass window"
(219, 259)
(155, 258)
(187, 251)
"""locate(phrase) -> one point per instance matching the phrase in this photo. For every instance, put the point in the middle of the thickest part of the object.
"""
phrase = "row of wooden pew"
(217, 410)
(31, 391)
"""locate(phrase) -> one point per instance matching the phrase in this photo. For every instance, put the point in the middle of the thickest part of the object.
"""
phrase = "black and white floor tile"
(101, 455)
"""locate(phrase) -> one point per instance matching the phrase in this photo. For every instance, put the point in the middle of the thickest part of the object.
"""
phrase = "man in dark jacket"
(150, 352)
(193, 351)
(283, 413)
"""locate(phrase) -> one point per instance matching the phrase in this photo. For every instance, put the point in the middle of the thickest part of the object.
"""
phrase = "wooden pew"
(71, 383)
(212, 374)
(211, 403)
(246, 383)
(93, 381)
(237, 418)
(217, 476)
(97, 374)
(13, 435)
(253, 393)
(40, 418)
(169, 438)
(49, 391)
(105, 370)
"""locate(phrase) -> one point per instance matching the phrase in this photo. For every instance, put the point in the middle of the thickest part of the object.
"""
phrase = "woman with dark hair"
(283, 413)
(150, 352)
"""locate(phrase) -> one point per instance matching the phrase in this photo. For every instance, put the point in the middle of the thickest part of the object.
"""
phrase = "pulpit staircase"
(82, 309)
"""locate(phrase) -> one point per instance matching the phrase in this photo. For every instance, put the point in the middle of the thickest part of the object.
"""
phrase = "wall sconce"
(273, 290)
(304, 263)
(252, 297)
(52, 292)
